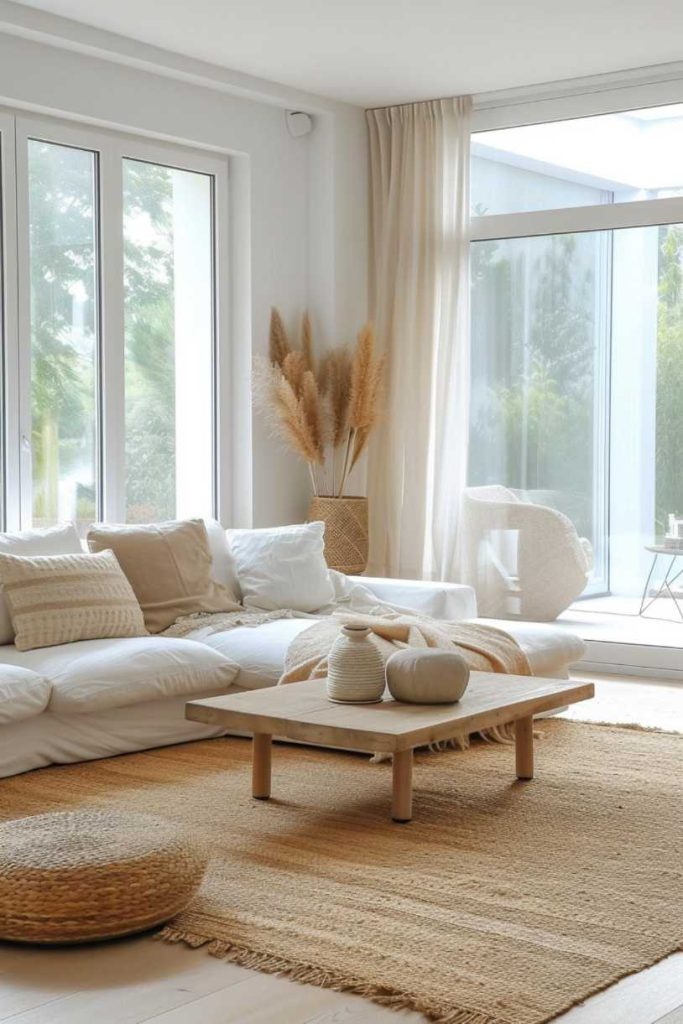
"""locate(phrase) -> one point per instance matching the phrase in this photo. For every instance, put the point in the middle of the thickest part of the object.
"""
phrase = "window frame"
(111, 148)
(496, 116)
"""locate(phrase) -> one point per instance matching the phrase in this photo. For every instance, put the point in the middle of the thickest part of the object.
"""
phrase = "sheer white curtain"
(419, 155)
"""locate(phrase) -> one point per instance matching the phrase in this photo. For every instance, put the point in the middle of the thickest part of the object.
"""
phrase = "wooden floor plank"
(675, 1017)
(638, 999)
(119, 983)
(260, 999)
(360, 1011)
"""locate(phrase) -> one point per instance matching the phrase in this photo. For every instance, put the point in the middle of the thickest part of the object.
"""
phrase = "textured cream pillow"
(169, 568)
(56, 599)
(55, 540)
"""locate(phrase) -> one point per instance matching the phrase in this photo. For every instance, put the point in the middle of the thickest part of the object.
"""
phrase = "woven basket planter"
(79, 876)
(346, 532)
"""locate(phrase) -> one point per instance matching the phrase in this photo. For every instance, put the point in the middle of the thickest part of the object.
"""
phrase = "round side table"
(671, 575)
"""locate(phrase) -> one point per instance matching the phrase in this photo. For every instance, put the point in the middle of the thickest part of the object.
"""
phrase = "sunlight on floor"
(655, 704)
(616, 620)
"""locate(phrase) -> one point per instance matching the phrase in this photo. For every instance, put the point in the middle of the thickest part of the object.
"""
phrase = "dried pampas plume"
(313, 414)
(307, 343)
(365, 402)
(320, 406)
(334, 381)
(278, 342)
(293, 369)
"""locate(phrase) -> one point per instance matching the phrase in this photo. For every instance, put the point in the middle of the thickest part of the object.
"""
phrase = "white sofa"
(96, 698)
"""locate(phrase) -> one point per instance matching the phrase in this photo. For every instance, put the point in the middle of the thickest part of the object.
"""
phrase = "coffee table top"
(302, 711)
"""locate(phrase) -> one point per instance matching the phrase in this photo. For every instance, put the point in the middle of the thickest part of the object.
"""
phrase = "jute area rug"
(501, 903)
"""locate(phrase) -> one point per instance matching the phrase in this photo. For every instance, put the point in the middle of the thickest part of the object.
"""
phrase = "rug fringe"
(310, 974)
(496, 734)
(634, 726)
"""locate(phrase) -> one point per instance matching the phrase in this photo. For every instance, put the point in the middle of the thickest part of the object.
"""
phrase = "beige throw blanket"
(485, 648)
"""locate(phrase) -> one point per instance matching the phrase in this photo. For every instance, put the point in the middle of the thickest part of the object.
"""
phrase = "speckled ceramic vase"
(355, 668)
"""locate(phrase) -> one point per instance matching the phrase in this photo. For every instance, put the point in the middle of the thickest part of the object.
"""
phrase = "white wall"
(298, 206)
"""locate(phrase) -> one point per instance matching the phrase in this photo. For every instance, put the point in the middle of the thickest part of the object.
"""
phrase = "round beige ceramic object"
(419, 676)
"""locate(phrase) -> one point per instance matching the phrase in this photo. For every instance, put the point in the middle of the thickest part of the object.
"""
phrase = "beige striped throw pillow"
(57, 599)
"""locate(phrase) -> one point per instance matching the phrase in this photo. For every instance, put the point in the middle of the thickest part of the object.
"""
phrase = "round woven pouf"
(79, 876)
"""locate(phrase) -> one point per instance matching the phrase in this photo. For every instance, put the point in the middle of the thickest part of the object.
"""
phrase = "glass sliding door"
(540, 356)
(169, 332)
(577, 376)
(63, 269)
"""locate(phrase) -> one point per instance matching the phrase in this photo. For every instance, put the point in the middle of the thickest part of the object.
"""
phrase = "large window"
(110, 322)
(577, 335)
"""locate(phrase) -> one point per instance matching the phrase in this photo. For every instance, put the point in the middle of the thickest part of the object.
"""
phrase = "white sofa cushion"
(95, 675)
(550, 649)
(58, 540)
(282, 567)
(259, 651)
(23, 693)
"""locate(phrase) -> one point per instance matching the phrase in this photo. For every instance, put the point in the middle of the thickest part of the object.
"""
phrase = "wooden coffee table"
(301, 711)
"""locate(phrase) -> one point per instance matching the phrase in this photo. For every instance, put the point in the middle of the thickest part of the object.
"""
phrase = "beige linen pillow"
(169, 568)
(57, 599)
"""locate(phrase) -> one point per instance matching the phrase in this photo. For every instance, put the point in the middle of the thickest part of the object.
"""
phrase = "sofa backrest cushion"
(57, 540)
(58, 599)
(169, 568)
(23, 693)
(283, 567)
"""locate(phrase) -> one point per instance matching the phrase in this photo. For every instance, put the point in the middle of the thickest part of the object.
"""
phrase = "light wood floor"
(138, 980)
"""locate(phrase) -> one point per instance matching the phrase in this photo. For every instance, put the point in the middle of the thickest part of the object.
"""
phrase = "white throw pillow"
(57, 540)
(282, 567)
(23, 693)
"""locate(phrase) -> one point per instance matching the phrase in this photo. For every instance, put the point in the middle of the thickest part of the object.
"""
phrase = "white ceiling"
(374, 52)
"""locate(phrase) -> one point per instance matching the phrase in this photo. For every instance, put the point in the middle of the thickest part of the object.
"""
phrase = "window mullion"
(112, 344)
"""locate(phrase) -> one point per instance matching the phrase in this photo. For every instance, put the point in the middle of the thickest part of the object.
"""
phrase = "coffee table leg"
(402, 781)
(524, 747)
(260, 765)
